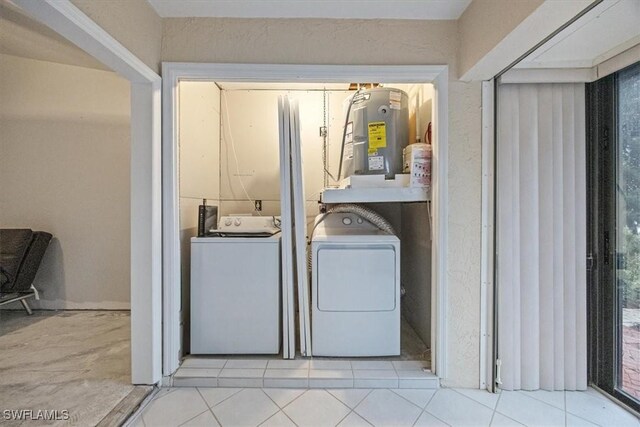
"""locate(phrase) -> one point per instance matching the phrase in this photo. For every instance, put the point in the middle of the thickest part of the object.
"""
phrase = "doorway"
(613, 162)
(174, 73)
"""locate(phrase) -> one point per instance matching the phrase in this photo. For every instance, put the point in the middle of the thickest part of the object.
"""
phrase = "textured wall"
(64, 168)
(312, 41)
(133, 23)
(463, 272)
(485, 23)
(387, 42)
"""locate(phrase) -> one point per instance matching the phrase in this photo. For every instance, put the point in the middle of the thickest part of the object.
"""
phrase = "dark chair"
(21, 252)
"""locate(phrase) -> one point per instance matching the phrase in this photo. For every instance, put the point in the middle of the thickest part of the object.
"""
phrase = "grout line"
(207, 403)
(279, 411)
(392, 390)
(343, 418)
(476, 401)
(223, 400)
(525, 393)
(287, 415)
(273, 415)
(274, 402)
(508, 417)
(362, 400)
(195, 416)
(419, 415)
(439, 419)
(354, 406)
(495, 409)
(432, 396)
(298, 397)
(341, 402)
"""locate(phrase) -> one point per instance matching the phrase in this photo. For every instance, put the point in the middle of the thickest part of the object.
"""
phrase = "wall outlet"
(258, 205)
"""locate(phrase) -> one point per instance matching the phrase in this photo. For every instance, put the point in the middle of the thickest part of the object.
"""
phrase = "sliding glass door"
(613, 114)
(628, 230)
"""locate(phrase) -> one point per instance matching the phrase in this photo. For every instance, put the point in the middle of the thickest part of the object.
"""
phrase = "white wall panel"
(199, 140)
(252, 124)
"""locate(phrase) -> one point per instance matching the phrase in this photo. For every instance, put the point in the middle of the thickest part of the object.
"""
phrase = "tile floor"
(304, 373)
(56, 360)
(190, 406)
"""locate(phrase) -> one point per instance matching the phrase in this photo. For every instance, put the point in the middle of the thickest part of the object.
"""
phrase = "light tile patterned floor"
(247, 407)
(303, 373)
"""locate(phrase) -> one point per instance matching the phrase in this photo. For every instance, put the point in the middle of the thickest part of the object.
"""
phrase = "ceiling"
(22, 36)
(339, 9)
(607, 30)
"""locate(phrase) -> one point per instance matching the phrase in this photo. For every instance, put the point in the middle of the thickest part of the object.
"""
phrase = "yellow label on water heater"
(377, 135)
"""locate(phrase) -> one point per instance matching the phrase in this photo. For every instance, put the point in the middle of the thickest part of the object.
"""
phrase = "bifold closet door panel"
(288, 315)
(300, 231)
(541, 236)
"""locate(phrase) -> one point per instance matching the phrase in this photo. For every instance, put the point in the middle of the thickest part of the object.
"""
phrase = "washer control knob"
(346, 220)
(359, 220)
(227, 222)
(237, 222)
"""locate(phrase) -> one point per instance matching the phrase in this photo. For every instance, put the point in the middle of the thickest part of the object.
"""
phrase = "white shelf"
(374, 195)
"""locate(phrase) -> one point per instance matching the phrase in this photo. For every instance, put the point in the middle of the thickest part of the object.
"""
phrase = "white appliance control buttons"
(346, 220)
(227, 222)
(237, 222)
(359, 220)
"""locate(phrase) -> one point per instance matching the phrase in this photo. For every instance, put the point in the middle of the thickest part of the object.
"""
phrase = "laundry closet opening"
(305, 233)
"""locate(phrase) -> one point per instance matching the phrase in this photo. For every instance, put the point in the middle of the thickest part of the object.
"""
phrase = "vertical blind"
(541, 236)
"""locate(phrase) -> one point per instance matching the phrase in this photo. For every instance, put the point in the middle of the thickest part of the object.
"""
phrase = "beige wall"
(133, 23)
(64, 168)
(311, 41)
(485, 23)
(325, 41)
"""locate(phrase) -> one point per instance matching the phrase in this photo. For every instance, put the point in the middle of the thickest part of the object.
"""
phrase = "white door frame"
(174, 72)
(146, 192)
(487, 324)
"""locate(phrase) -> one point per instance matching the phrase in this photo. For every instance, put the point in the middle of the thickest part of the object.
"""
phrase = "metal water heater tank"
(377, 132)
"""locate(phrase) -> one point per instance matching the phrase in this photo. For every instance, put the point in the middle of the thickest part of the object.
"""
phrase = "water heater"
(377, 130)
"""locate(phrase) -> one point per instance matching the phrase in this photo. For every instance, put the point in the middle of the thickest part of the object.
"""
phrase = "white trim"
(303, 73)
(146, 233)
(488, 243)
(440, 200)
(146, 263)
(618, 62)
(173, 72)
(171, 343)
(549, 75)
(70, 22)
(573, 75)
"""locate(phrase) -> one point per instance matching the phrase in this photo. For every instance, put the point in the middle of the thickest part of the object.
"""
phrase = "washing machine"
(235, 288)
(355, 288)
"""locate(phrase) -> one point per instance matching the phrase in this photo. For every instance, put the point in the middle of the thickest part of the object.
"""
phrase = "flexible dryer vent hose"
(365, 213)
